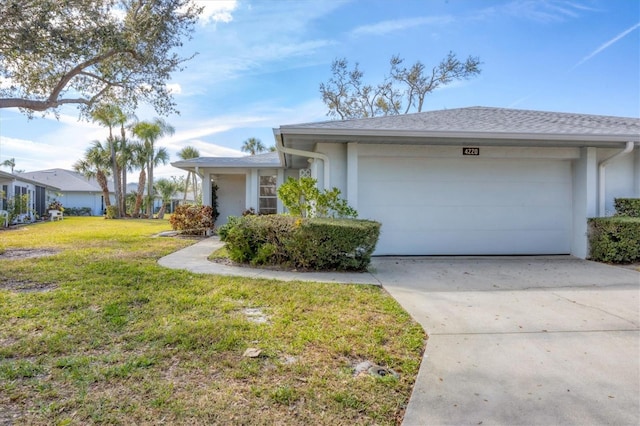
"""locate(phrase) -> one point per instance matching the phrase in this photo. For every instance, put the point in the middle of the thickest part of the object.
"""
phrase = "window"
(19, 191)
(268, 197)
(3, 197)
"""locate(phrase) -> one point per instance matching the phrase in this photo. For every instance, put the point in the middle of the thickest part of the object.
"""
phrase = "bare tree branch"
(346, 96)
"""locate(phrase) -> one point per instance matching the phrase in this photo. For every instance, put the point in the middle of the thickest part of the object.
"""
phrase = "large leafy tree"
(84, 52)
(188, 153)
(404, 90)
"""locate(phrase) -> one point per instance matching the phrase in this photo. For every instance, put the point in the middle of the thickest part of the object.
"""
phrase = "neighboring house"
(15, 185)
(177, 199)
(468, 181)
(75, 190)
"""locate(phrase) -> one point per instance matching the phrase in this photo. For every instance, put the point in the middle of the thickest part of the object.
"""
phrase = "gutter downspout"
(602, 176)
(317, 155)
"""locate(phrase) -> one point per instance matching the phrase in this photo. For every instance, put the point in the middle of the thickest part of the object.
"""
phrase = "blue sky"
(260, 63)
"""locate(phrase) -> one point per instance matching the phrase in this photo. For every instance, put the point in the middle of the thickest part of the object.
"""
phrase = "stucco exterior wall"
(337, 153)
(80, 200)
(620, 177)
(585, 200)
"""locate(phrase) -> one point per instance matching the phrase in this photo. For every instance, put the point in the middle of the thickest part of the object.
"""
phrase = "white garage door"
(455, 206)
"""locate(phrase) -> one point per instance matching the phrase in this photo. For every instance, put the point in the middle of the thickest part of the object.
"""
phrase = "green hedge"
(629, 207)
(77, 211)
(614, 239)
(318, 244)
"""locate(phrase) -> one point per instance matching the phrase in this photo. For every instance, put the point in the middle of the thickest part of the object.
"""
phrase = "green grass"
(118, 339)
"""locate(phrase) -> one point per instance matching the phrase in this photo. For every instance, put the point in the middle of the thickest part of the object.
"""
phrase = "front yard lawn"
(94, 331)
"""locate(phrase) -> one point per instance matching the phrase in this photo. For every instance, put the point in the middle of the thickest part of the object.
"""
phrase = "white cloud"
(546, 11)
(216, 11)
(219, 124)
(207, 149)
(5, 83)
(174, 88)
(395, 25)
(30, 155)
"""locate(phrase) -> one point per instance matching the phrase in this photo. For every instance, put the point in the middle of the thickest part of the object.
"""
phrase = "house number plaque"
(470, 151)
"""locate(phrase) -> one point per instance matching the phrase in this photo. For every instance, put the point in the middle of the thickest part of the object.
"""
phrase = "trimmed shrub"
(627, 207)
(77, 211)
(614, 239)
(328, 244)
(245, 236)
(111, 212)
(318, 244)
(192, 219)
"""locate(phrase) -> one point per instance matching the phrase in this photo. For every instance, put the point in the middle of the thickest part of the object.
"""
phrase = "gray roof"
(481, 122)
(267, 160)
(4, 176)
(65, 180)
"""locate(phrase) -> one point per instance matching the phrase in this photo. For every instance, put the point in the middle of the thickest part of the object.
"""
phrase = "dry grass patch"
(121, 340)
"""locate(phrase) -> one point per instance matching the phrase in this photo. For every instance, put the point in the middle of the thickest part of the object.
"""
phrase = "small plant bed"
(119, 339)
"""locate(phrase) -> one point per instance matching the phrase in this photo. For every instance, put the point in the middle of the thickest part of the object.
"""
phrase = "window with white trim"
(268, 203)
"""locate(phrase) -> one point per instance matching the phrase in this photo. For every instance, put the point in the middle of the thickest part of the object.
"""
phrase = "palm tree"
(166, 188)
(187, 153)
(126, 121)
(139, 161)
(125, 164)
(149, 133)
(11, 162)
(253, 146)
(95, 164)
(110, 116)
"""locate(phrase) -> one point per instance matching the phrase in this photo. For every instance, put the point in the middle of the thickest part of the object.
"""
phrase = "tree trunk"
(115, 172)
(162, 210)
(195, 188)
(124, 170)
(141, 183)
(150, 191)
(102, 181)
(186, 187)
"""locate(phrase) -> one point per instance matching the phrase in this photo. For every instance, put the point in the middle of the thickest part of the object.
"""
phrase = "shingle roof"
(17, 177)
(66, 180)
(269, 159)
(481, 120)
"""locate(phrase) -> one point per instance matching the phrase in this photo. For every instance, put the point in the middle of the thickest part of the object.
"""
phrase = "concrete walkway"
(513, 340)
(194, 259)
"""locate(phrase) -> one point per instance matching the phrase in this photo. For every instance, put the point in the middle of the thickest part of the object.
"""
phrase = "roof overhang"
(13, 177)
(301, 137)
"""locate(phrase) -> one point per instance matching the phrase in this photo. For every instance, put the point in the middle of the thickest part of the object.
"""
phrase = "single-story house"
(176, 199)
(74, 189)
(14, 185)
(467, 181)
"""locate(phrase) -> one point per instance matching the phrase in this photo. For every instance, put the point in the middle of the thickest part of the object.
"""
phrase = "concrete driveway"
(521, 340)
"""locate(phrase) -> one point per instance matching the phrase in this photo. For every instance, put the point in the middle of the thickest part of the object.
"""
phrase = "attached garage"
(526, 186)
(471, 206)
